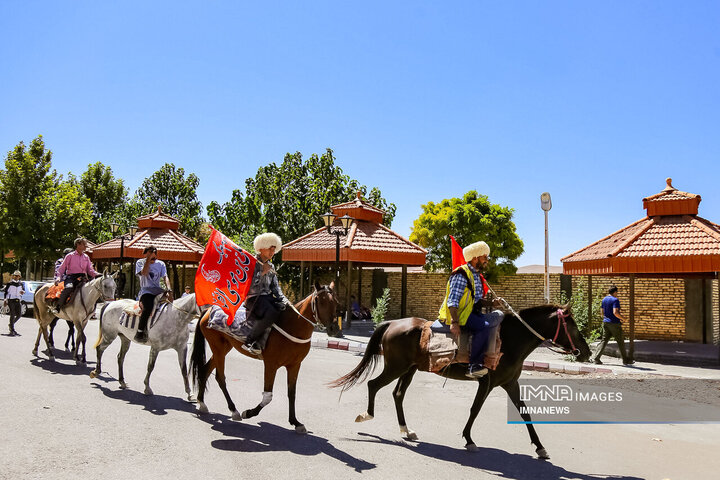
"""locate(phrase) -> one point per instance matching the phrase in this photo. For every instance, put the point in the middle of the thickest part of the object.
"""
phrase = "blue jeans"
(481, 326)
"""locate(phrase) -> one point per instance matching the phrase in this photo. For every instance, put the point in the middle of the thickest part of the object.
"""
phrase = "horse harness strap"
(290, 337)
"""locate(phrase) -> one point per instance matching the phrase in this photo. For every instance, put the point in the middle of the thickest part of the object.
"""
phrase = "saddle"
(239, 328)
(53, 293)
(130, 316)
(439, 345)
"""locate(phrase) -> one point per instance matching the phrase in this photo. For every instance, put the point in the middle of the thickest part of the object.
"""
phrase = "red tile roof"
(359, 209)
(158, 219)
(657, 244)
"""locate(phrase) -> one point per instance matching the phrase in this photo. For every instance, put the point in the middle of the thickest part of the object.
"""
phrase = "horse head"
(567, 334)
(324, 305)
(106, 285)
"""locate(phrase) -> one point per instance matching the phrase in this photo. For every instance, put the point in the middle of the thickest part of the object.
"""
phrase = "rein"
(316, 323)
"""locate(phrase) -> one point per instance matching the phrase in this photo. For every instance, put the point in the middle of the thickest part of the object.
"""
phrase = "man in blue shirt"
(151, 271)
(612, 326)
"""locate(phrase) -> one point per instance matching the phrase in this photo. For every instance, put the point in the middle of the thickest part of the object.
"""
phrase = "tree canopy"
(107, 195)
(469, 219)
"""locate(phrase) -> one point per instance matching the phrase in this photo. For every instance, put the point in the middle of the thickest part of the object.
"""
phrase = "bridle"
(315, 322)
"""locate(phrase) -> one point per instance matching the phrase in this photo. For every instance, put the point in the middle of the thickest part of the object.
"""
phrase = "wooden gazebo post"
(631, 350)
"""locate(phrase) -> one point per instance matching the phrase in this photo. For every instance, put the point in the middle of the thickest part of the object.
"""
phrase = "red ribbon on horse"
(224, 275)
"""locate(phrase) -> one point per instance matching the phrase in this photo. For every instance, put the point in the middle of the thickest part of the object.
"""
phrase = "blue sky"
(594, 102)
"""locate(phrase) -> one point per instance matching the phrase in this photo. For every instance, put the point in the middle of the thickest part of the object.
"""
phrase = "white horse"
(78, 311)
(169, 327)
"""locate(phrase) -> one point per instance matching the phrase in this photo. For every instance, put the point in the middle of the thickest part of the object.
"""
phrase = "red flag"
(224, 275)
(458, 259)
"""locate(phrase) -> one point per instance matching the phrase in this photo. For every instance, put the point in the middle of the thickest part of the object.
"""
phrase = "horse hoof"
(51, 358)
(301, 429)
(202, 408)
(191, 399)
(148, 391)
(412, 435)
(542, 454)
(94, 374)
(471, 447)
(67, 349)
(123, 385)
(34, 352)
(237, 416)
(363, 417)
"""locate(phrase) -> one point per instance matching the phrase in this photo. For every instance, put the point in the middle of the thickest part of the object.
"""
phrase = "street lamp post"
(546, 205)
(346, 222)
(131, 233)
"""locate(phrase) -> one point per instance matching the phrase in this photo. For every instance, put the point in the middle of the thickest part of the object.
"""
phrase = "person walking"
(14, 290)
(612, 326)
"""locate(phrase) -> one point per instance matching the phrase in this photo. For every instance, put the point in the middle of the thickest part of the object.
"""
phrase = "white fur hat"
(267, 240)
(477, 249)
(17, 272)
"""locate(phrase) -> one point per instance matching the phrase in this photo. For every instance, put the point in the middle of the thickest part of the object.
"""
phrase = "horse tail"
(197, 359)
(100, 332)
(366, 366)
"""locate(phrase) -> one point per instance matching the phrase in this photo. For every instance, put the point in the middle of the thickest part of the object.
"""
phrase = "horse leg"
(292, 376)
(202, 384)
(37, 342)
(220, 378)
(389, 373)
(267, 393)
(480, 396)
(52, 329)
(151, 365)
(99, 350)
(182, 360)
(81, 338)
(124, 347)
(70, 336)
(399, 396)
(513, 391)
(47, 342)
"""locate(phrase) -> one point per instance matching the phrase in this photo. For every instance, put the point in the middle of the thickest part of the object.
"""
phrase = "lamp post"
(345, 221)
(131, 233)
(546, 205)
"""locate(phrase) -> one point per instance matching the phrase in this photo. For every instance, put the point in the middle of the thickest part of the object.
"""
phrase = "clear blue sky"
(595, 102)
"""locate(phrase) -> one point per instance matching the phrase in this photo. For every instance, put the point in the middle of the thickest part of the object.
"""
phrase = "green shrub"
(590, 327)
(381, 306)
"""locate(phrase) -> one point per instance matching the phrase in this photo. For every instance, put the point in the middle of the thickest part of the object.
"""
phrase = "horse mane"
(539, 310)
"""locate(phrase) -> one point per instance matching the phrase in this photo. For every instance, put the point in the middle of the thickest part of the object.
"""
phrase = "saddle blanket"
(240, 327)
(442, 350)
(132, 321)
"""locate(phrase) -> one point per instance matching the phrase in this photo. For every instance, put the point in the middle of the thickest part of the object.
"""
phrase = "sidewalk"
(648, 355)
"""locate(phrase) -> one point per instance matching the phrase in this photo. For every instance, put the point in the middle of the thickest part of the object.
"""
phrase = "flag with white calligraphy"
(224, 275)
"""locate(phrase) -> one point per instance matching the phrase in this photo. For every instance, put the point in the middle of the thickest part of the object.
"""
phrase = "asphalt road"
(57, 423)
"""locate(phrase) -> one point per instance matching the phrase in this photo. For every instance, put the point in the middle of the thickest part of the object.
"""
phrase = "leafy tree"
(107, 195)
(41, 212)
(469, 219)
(288, 199)
(176, 194)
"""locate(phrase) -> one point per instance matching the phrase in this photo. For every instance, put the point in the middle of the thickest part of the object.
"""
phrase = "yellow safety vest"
(466, 301)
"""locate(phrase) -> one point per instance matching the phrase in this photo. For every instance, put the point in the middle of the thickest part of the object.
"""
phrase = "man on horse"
(75, 267)
(265, 301)
(151, 271)
(461, 310)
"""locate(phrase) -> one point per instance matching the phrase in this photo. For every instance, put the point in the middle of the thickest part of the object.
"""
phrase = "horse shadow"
(155, 404)
(266, 437)
(514, 466)
(60, 368)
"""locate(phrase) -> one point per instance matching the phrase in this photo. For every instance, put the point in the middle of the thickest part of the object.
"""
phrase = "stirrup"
(252, 348)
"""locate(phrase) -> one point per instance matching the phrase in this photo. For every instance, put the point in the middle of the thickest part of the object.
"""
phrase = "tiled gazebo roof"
(368, 241)
(158, 229)
(672, 239)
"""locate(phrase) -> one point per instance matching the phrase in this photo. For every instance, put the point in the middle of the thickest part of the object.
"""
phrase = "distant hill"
(539, 269)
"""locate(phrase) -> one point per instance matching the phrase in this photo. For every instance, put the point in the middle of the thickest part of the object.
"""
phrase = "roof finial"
(669, 185)
(359, 195)
(160, 208)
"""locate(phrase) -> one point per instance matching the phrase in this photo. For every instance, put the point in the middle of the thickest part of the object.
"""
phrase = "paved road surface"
(57, 423)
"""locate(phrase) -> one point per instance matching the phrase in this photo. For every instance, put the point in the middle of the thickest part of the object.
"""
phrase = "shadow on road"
(59, 365)
(266, 437)
(155, 404)
(501, 463)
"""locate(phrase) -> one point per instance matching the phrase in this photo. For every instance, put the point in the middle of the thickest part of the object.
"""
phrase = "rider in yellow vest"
(461, 308)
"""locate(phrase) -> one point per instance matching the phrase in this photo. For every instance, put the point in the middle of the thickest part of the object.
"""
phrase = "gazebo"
(672, 241)
(158, 229)
(369, 243)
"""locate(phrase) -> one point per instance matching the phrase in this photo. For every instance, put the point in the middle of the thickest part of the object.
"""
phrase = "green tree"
(41, 212)
(176, 193)
(288, 199)
(107, 196)
(469, 219)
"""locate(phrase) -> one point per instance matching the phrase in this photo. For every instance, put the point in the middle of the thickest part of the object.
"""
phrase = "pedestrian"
(151, 271)
(14, 290)
(612, 326)
(187, 291)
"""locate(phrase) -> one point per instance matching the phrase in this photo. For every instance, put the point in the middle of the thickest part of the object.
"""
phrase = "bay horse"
(170, 328)
(287, 346)
(399, 341)
(78, 311)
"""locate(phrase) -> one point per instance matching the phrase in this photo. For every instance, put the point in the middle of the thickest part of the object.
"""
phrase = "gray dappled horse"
(170, 328)
(78, 311)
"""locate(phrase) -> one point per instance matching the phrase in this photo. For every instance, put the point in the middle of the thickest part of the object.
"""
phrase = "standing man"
(461, 309)
(151, 271)
(14, 290)
(265, 301)
(75, 266)
(612, 326)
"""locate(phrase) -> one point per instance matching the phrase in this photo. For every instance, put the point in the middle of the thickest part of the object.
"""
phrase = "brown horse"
(400, 342)
(287, 346)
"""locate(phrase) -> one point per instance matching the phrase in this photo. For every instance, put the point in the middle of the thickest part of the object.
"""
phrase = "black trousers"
(71, 281)
(263, 310)
(14, 307)
(148, 302)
